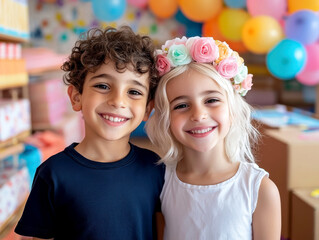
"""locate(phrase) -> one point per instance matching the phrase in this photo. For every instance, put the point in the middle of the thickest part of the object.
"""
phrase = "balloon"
(200, 10)
(235, 3)
(310, 74)
(163, 8)
(286, 59)
(138, 3)
(272, 8)
(211, 29)
(296, 5)
(303, 26)
(192, 28)
(229, 28)
(110, 10)
(261, 33)
(308, 78)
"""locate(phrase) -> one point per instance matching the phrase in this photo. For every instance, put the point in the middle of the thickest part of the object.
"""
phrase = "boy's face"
(113, 104)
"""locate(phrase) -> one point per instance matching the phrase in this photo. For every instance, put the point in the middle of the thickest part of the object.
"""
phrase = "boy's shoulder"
(145, 154)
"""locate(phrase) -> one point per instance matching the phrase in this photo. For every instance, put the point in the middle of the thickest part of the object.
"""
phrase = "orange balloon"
(200, 10)
(163, 8)
(296, 5)
(211, 29)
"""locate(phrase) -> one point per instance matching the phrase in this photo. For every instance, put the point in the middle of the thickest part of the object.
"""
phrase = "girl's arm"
(267, 215)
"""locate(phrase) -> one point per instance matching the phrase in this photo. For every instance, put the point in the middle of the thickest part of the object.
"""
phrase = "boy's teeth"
(113, 119)
(201, 131)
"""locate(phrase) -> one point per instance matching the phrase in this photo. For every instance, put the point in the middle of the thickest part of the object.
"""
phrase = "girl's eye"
(180, 106)
(212, 100)
(135, 92)
(102, 86)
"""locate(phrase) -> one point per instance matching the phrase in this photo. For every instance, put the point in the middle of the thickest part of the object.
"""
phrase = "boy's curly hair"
(121, 46)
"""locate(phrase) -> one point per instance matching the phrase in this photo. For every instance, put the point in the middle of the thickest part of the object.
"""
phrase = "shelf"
(8, 38)
(46, 69)
(13, 80)
(11, 150)
(15, 140)
(11, 221)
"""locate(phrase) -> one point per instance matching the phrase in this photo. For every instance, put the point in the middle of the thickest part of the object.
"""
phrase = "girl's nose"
(198, 114)
(116, 100)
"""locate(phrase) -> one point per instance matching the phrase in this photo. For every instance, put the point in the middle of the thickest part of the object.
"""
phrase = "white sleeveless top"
(215, 212)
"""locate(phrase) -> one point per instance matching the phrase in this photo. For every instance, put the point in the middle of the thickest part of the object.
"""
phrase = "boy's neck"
(103, 151)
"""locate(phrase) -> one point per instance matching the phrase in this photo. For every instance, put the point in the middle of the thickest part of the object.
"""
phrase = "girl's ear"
(75, 98)
(149, 108)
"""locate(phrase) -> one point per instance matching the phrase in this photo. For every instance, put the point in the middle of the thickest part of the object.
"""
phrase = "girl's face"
(199, 112)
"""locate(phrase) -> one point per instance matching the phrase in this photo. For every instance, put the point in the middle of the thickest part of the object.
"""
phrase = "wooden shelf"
(11, 150)
(8, 38)
(11, 222)
(39, 71)
(13, 80)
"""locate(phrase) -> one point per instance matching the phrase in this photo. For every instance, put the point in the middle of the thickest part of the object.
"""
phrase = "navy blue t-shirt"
(75, 198)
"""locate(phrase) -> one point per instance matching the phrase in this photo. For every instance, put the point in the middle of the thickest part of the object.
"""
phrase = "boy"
(104, 187)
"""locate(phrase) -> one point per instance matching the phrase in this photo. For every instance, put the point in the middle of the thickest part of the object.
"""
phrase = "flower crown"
(182, 51)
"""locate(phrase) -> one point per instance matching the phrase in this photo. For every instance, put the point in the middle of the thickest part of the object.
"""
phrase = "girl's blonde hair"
(240, 138)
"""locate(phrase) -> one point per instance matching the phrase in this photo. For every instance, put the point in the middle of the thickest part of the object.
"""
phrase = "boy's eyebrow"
(108, 76)
(203, 93)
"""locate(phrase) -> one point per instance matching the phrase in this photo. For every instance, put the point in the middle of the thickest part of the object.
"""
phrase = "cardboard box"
(14, 189)
(305, 215)
(292, 162)
(14, 117)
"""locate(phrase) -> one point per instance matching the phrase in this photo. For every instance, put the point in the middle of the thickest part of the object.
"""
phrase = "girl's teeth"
(201, 131)
(114, 119)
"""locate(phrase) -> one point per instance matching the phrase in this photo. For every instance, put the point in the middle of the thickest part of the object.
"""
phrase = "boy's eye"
(101, 86)
(180, 106)
(134, 92)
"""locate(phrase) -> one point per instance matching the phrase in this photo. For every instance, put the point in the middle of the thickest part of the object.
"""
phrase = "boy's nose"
(198, 114)
(116, 100)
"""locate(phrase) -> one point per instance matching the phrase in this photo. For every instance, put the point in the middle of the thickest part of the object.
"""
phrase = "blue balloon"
(235, 3)
(108, 10)
(286, 59)
(192, 28)
(303, 26)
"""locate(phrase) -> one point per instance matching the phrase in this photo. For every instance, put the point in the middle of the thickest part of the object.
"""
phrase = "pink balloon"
(310, 74)
(273, 8)
(309, 78)
(138, 3)
(312, 57)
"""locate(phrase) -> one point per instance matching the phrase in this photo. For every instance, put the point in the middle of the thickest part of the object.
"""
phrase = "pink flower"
(204, 50)
(228, 67)
(247, 83)
(162, 64)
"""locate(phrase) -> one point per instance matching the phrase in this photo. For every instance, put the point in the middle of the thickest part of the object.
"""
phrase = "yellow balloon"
(231, 22)
(200, 10)
(261, 33)
(296, 5)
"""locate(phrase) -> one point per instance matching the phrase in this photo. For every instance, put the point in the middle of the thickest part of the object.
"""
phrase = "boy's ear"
(75, 98)
(149, 108)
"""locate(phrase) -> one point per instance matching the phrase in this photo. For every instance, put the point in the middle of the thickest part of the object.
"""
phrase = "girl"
(202, 124)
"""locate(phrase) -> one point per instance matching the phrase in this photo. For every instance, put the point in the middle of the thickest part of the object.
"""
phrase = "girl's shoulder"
(252, 169)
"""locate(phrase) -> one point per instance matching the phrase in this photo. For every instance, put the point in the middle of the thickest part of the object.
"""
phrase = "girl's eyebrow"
(202, 94)
(108, 76)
